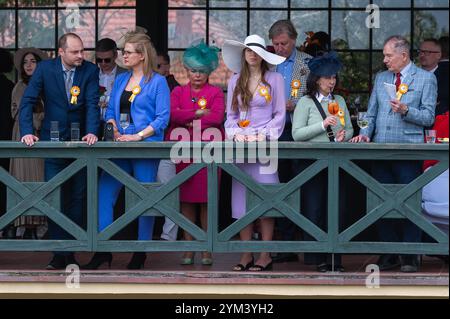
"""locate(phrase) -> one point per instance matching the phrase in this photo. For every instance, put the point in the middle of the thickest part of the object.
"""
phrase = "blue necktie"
(68, 82)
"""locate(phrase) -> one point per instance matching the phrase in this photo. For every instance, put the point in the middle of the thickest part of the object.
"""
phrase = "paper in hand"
(391, 90)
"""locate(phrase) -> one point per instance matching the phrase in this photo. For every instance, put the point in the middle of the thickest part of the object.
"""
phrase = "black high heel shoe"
(98, 260)
(137, 261)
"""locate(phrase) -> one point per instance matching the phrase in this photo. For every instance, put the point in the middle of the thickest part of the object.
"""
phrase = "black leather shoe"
(97, 260)
(409, 263)
(137, 261)
(387, 262)
(284, 258)
(324, 267)
(58, 262)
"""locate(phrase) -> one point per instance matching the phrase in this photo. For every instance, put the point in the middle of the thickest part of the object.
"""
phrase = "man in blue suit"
(68, 86)
(399, 120)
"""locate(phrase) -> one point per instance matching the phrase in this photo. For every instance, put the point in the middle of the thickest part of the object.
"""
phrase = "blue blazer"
(150, 107)
(385, 126)
(48, 82)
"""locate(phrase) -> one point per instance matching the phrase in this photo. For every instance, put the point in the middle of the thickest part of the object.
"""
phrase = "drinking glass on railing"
(124, 121)
(362, 120)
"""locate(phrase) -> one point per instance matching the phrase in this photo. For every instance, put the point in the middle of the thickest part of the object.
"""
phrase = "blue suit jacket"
(150, 107)
(48, 82)
(386, 126)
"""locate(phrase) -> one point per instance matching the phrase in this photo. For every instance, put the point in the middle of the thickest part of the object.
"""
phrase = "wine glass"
(362, 120)
(124, 121)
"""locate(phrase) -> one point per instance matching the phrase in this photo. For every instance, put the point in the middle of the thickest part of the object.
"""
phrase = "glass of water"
(124, 121)
(430, 136)
(75, 132)
(54, 131)
(362, 120)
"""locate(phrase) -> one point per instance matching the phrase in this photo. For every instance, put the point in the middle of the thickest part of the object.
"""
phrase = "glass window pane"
(349, 30)
(221, 75)
(36, 3)
(82, 23)
(228, 3)
(377, 64)
(84, 3)
(117, 3)
(268, 3)
(393, 3)
(350, 3)
(37, 28)
(187, 3)
(392, 23)
(429, 24)
(115, 23)
(227, 25)
(7, 28)
(177, 67)
(7, 3)
(354, 75)
(185, 26)
(261, 21)
(309, 4)
(356, 101)
(431, 3)
(305, 21)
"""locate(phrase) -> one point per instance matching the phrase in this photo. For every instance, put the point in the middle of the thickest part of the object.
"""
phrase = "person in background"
(140, 101)
(27, 169)
(105, 58)
(166, 169)
(399, 120)
(163, 68)
(295, 72)
(256, 111)
(197, 103)
(314, 121)
(442, 78)
(430, 54)
(6, 124)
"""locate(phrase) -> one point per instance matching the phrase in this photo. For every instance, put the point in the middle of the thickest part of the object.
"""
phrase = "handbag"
(108, 133)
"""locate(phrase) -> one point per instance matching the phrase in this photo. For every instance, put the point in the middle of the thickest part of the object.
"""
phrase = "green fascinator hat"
(202, 58)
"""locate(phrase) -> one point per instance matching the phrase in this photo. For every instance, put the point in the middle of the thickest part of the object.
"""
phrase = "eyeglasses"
(125, 52)
(426, 52)
(107, 60)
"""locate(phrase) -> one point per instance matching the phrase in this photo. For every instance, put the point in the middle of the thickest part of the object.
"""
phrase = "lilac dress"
(266, 116)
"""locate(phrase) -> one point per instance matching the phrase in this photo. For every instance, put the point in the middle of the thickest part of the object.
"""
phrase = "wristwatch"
(141, 135)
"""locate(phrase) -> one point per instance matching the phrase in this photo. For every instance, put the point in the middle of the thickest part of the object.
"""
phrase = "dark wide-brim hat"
(325, 65)
(19, 55)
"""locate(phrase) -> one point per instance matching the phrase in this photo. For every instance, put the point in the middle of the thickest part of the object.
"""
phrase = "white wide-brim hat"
(232, 52)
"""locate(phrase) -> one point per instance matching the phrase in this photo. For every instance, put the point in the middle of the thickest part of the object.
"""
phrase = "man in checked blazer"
(399, 121)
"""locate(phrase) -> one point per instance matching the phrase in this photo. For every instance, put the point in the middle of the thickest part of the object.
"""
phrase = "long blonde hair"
(241, 90)
(143, 44)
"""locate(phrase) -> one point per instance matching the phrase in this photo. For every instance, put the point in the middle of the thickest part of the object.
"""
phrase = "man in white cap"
(295, 73)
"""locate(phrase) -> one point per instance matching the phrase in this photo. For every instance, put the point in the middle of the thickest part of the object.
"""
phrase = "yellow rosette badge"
(402, 89)
(264, 92)
(202, 103)
(136, 90)
(341, 116)
(295, 86)
(243, 123)
(74, 92)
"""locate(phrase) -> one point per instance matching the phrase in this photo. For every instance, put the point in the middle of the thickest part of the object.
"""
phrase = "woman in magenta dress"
(196, 107)
(256, 111)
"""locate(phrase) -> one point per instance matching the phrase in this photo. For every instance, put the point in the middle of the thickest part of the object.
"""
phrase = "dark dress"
(6, 124)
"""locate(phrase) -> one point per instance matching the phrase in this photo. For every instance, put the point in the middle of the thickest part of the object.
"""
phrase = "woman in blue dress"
(144, 96)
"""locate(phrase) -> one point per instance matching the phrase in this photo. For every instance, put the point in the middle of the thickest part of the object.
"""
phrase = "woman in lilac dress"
(255, 112)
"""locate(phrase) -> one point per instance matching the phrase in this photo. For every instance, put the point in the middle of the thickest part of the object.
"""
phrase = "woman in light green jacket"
(319, 117)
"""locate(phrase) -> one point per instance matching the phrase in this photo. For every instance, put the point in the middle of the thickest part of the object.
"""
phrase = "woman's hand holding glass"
(330, 120)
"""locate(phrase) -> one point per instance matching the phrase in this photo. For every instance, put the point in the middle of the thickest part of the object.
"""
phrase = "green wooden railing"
(383, 201)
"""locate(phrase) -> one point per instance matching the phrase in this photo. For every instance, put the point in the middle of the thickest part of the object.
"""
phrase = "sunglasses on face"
(107, 60)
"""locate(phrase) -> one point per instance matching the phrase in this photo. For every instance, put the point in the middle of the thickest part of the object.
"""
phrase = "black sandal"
(268, 267)
(241, 267)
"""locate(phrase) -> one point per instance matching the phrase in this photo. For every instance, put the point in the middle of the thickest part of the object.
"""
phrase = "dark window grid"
(329, 10)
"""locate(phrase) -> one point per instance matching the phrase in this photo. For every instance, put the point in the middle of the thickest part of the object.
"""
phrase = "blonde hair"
(143, 44)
